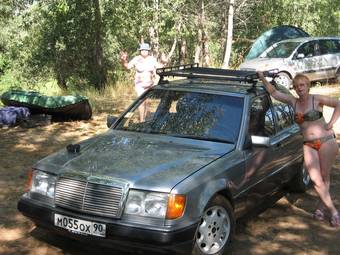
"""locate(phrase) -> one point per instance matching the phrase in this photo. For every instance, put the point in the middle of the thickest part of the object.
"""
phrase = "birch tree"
(229, 34)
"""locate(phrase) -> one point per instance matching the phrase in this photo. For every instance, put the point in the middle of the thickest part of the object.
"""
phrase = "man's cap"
(144, 46)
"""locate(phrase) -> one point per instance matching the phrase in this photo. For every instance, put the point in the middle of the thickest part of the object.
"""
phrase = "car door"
(307, 60)
(260, 161)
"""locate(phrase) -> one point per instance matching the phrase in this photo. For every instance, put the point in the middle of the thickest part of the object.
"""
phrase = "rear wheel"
(337, 76)
(284, 80)
(216, 228)
(301, 182)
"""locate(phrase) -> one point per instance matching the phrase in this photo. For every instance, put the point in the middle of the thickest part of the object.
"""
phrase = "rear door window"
(261, 120)
(284, 114)
(328, 47)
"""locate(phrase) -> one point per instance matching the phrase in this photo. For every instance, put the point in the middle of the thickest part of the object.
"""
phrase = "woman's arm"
(124, 59)
(331, 102)
(274, 92)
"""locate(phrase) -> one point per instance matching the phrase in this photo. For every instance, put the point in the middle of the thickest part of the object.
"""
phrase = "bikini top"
(311, 115)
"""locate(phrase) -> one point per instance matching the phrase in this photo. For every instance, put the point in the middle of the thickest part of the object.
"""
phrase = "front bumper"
(118, 236)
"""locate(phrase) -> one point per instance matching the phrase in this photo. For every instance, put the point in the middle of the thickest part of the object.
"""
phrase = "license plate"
(78, 226)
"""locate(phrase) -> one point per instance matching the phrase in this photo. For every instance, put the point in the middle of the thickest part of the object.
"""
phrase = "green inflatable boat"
(59, 107)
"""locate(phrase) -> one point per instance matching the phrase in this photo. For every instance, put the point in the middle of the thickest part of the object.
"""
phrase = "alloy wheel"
(283, 80)
(214, 230)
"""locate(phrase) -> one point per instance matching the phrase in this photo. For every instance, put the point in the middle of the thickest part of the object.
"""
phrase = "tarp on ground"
(35, 98)
(59, 107)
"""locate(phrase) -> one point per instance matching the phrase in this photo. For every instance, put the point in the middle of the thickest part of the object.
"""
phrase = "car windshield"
(281, 50)
(187, 114)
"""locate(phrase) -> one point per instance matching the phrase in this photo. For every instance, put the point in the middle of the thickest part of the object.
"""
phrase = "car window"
(328, 46)
(261, 121)
(309, 49)
(282, 50)
(187, 114)
(337, 45)
(284, 114)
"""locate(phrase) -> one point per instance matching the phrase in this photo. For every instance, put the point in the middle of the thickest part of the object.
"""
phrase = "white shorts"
(140, 90)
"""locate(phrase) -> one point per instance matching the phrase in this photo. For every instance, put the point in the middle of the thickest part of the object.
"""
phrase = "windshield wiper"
(210, 139)
(145, 131)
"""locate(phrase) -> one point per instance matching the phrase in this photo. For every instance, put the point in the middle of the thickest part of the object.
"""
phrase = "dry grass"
(113, 99)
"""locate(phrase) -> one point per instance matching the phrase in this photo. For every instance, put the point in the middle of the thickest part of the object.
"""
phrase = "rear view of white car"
(316, 57)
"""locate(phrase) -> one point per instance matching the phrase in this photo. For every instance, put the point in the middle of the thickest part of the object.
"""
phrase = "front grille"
(89, 197)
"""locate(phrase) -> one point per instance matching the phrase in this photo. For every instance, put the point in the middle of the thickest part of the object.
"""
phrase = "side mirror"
(110, 120)
(260, 140)
(300, 55)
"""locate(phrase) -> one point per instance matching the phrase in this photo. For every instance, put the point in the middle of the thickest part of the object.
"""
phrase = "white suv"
(316, 57)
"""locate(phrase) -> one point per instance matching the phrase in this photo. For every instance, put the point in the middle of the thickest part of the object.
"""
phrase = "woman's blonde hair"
(301, 77)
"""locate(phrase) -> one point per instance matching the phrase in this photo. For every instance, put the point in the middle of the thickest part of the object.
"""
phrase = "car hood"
(262, 64)
(138, 160)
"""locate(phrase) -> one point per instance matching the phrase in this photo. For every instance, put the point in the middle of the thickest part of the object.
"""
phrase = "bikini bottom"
(316, 144)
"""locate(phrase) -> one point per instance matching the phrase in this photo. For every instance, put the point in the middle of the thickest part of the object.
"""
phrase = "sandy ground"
(285, 228)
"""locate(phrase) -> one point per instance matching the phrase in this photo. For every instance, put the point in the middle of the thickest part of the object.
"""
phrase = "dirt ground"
(285, 228)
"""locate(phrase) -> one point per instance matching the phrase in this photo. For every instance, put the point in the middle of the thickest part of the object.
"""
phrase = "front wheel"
(284, 80)
(215, 229)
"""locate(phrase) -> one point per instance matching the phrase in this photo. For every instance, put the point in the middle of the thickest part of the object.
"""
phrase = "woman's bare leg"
(313, 166)
(142, 111)
(327, 155)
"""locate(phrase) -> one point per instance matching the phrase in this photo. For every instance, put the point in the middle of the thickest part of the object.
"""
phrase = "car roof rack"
(194, 71)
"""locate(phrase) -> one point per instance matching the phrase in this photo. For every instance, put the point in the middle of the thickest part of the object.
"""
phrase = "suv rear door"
(330, 53)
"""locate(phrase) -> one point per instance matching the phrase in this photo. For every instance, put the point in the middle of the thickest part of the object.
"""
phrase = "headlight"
(43, 183)
(154, 204)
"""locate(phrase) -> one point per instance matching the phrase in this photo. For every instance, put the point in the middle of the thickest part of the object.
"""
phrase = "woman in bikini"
(320, 146)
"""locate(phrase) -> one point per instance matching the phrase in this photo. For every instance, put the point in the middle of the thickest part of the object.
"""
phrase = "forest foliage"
(76, 43)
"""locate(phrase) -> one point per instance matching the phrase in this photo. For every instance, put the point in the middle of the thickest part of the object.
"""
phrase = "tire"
(301, 182)
(284, 80)
(337, 76)
(216, 228)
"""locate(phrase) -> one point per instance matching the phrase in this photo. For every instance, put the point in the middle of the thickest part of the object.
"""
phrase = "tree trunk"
(99, 72)
(205, 40)
(202, 49)
(198, 48)
(173, 47)
(61, 81)
(229, 35)
(172, 50)
(206, 56)
(154, 29)
(224, 28)
(183, 52)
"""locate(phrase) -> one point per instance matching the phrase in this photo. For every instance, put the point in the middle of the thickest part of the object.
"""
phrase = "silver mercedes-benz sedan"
(212, 148)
